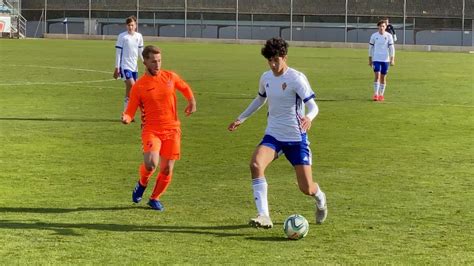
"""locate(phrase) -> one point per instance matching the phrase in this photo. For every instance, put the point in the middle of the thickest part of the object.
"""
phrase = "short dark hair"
(150, 49)
(381, 22)
(275, 47)
(130, 20)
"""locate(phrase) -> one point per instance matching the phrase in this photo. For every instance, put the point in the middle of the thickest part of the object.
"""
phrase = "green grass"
(398, 174)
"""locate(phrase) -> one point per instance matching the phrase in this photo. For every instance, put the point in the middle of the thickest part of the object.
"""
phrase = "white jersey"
(129, 48)
(286, 95)
(381, 47)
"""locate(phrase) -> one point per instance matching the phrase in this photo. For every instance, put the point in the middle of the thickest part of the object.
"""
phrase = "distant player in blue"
(287, 92)
(381, 55)
(128, 48)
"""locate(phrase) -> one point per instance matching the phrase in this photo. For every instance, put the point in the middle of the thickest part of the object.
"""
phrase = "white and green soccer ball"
(296, 227)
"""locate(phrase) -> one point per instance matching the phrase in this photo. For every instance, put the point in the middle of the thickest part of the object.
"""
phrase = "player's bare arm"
(191, 108)
(305, 123)
(126, 119)
(234, 125)
(116, 73)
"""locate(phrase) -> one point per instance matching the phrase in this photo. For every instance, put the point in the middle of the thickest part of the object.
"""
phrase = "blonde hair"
(150, 49)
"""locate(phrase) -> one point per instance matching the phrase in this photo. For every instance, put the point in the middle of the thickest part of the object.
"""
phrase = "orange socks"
(162, 181)
(144, 175)
(161, 184)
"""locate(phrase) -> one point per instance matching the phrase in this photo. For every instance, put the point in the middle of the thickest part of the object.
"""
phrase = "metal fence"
(437, 22)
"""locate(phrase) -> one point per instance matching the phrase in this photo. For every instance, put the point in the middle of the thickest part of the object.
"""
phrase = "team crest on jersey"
(283, 86)
(169, 84)
(267, 86)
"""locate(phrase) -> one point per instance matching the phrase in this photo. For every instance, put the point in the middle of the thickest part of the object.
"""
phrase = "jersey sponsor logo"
(283, 86)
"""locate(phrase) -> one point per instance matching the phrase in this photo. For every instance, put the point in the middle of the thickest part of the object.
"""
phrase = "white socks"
(320, 198)
(376, 88)
(381, 89)
(260, 195)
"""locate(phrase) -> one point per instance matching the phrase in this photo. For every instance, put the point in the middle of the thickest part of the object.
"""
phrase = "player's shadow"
(61, 210)
(268, 238)
(46, 119)
(69, 229)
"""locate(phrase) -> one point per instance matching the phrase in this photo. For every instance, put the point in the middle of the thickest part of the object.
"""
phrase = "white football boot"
(261, 221)
(321, 209)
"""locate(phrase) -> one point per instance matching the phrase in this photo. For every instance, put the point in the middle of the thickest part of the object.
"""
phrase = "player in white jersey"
(287, 92)
(381, 54)
(129, 47)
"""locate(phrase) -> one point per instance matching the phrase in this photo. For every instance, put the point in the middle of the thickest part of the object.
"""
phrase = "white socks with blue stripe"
(376, 88)
(260, 195)
(381, 89)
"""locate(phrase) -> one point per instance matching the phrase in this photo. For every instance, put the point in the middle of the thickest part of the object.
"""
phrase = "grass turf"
(398, 174)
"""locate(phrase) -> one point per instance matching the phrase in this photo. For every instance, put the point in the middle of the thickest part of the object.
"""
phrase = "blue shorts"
(128, 74)
(297, 152)
(381, 67)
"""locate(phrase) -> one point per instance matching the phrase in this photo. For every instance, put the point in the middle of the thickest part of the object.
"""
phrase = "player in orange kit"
(155, 94)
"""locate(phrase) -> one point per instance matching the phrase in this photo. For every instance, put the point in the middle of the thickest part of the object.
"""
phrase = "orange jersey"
(156, 97)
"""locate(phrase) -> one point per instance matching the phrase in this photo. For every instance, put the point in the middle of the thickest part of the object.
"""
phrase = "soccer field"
(399, 175)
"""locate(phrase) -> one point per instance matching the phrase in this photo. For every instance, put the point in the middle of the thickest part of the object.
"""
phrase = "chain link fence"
(433, 22)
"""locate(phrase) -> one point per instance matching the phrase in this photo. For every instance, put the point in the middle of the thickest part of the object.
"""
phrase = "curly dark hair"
(275, 47)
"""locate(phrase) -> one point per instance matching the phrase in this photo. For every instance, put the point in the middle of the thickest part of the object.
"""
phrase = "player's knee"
(166, 170)
(255, 167)
(150, 166)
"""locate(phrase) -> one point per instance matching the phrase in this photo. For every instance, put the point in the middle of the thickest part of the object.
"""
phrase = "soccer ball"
(296, 227)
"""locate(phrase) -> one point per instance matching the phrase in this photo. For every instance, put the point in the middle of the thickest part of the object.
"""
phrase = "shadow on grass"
(63, 210)
(269, 238)
(59, 119)
(68, 229)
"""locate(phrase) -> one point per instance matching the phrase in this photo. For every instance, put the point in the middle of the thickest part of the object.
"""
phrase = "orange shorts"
(167, 142)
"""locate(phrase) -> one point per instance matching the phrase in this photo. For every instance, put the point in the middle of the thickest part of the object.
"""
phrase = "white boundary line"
(432, 104)
(252, 96)
(55, 83)
(59, 82)
(65, 68)
(212, 93)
